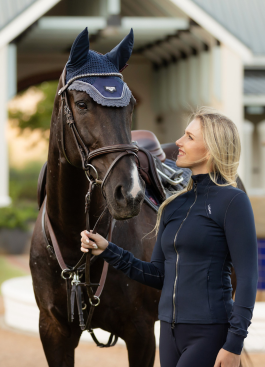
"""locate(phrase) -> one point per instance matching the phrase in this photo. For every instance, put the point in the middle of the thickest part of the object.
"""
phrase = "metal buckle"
(76, 279)
(87, 176)
(96, 304)
(63, 273)
(167, 178)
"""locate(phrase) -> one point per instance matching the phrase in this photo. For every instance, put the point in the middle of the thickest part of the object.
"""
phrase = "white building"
(187, 53)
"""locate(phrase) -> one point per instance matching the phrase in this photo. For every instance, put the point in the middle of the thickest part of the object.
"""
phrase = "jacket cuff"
(112, 253)
(234, 343)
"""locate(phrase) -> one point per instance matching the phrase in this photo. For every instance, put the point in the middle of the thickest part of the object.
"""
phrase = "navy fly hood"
(99, 75)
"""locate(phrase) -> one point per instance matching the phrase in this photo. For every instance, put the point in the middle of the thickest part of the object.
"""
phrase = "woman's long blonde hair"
(222, 142)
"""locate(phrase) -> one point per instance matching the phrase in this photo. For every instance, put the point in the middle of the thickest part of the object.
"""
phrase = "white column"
(217, 72)
(247, 146)
(156, 87)
(173, 86)
(4, 198)
(261, 134)
(232, 94)
(12, 71)
(204, 75)
(114, 7)
(183, 83)
(163, 89)
(193, 79)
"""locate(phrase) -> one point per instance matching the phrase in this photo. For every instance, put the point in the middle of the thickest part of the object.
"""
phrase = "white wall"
(261, 135)
(4, 198)
(139, 77)
(248, 148)
(231, 102)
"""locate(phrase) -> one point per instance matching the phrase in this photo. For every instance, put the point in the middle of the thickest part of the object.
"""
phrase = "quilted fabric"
(105, 90)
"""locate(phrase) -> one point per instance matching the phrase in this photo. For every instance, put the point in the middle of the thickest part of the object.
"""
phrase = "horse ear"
(79, 51)
(120, 54)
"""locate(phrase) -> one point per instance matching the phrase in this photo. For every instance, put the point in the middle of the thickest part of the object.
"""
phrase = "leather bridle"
(85, 155)
(74, 287)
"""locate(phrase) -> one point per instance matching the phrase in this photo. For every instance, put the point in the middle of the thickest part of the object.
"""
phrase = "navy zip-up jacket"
(202, 233)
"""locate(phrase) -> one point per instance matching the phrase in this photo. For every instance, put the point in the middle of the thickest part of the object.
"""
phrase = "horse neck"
(66, 189)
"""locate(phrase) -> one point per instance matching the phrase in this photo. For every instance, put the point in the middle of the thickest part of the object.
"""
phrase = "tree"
(41, 118)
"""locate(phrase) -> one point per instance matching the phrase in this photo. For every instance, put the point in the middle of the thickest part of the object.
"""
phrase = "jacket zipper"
(175, 283)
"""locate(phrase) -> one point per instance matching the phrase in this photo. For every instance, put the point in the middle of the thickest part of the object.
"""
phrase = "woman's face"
(192, 148)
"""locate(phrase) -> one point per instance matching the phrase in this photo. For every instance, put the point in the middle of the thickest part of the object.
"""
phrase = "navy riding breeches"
(191, 345)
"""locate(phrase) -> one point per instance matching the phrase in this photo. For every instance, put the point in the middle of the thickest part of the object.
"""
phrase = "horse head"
(96, 104)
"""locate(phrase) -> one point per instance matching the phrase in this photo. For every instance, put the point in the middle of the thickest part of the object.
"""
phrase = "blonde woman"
(202, 231)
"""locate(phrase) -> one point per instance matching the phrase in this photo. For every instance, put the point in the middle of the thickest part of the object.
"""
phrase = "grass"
(8, 271)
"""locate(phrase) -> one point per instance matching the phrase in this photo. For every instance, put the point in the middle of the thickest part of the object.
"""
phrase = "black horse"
(127, 309)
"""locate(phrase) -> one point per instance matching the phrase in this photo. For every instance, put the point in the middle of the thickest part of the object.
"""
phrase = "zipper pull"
(173, 324)
(195, 186)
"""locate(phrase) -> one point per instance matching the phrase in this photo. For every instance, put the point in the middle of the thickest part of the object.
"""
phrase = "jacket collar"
(203, 179)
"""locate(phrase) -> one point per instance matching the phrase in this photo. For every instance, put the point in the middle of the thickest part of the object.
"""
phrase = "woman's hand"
(98, 243)
(227, 359)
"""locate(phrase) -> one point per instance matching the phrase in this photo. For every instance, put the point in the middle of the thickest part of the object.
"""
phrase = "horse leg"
(141, 346)
(59, 339)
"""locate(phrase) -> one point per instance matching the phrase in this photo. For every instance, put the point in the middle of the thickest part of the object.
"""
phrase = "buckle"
(169, 179)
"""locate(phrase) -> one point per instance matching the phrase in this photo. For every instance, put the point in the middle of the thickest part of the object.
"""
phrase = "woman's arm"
(148, 273)
(241, 238)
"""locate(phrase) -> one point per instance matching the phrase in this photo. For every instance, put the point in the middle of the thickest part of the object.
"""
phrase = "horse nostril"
(119, 196)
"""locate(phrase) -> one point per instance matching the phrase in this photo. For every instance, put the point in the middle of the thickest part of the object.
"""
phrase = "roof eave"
(215, 28)
(24, 20)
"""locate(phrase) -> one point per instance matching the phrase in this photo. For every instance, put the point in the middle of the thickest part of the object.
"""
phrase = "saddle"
(154, 168)
(160, 175)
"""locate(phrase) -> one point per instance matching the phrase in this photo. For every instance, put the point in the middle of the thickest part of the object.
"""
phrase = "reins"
(72, 275)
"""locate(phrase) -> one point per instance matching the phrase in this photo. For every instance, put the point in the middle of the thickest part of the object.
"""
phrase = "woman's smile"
(180, 153)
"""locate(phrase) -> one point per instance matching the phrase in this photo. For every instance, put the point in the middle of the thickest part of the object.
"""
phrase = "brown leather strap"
(102, 279)
(110, 168)
(106, 265)
(54, 241)
(112, 149)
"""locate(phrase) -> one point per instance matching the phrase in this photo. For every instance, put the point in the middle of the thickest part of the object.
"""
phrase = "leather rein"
(73, 274)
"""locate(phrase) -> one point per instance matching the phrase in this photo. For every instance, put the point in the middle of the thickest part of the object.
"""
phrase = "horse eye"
(81, 105)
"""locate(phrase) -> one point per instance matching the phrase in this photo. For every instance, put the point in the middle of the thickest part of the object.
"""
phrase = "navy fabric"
(96, 63)
(79, 52)
(218, 232)
(190, 345)
(84, 61)
(120, 54)
(106, 91)
(109, 87)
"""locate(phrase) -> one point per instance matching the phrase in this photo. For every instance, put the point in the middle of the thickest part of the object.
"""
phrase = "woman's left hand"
(227, 359)
(97, 245)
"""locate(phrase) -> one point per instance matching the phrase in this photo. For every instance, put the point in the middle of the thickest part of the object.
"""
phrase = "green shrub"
(41, 118)
(23, 192)
(17, 216)
(23, 182)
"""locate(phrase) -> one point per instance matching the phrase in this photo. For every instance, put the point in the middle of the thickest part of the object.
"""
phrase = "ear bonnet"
(99, 75)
